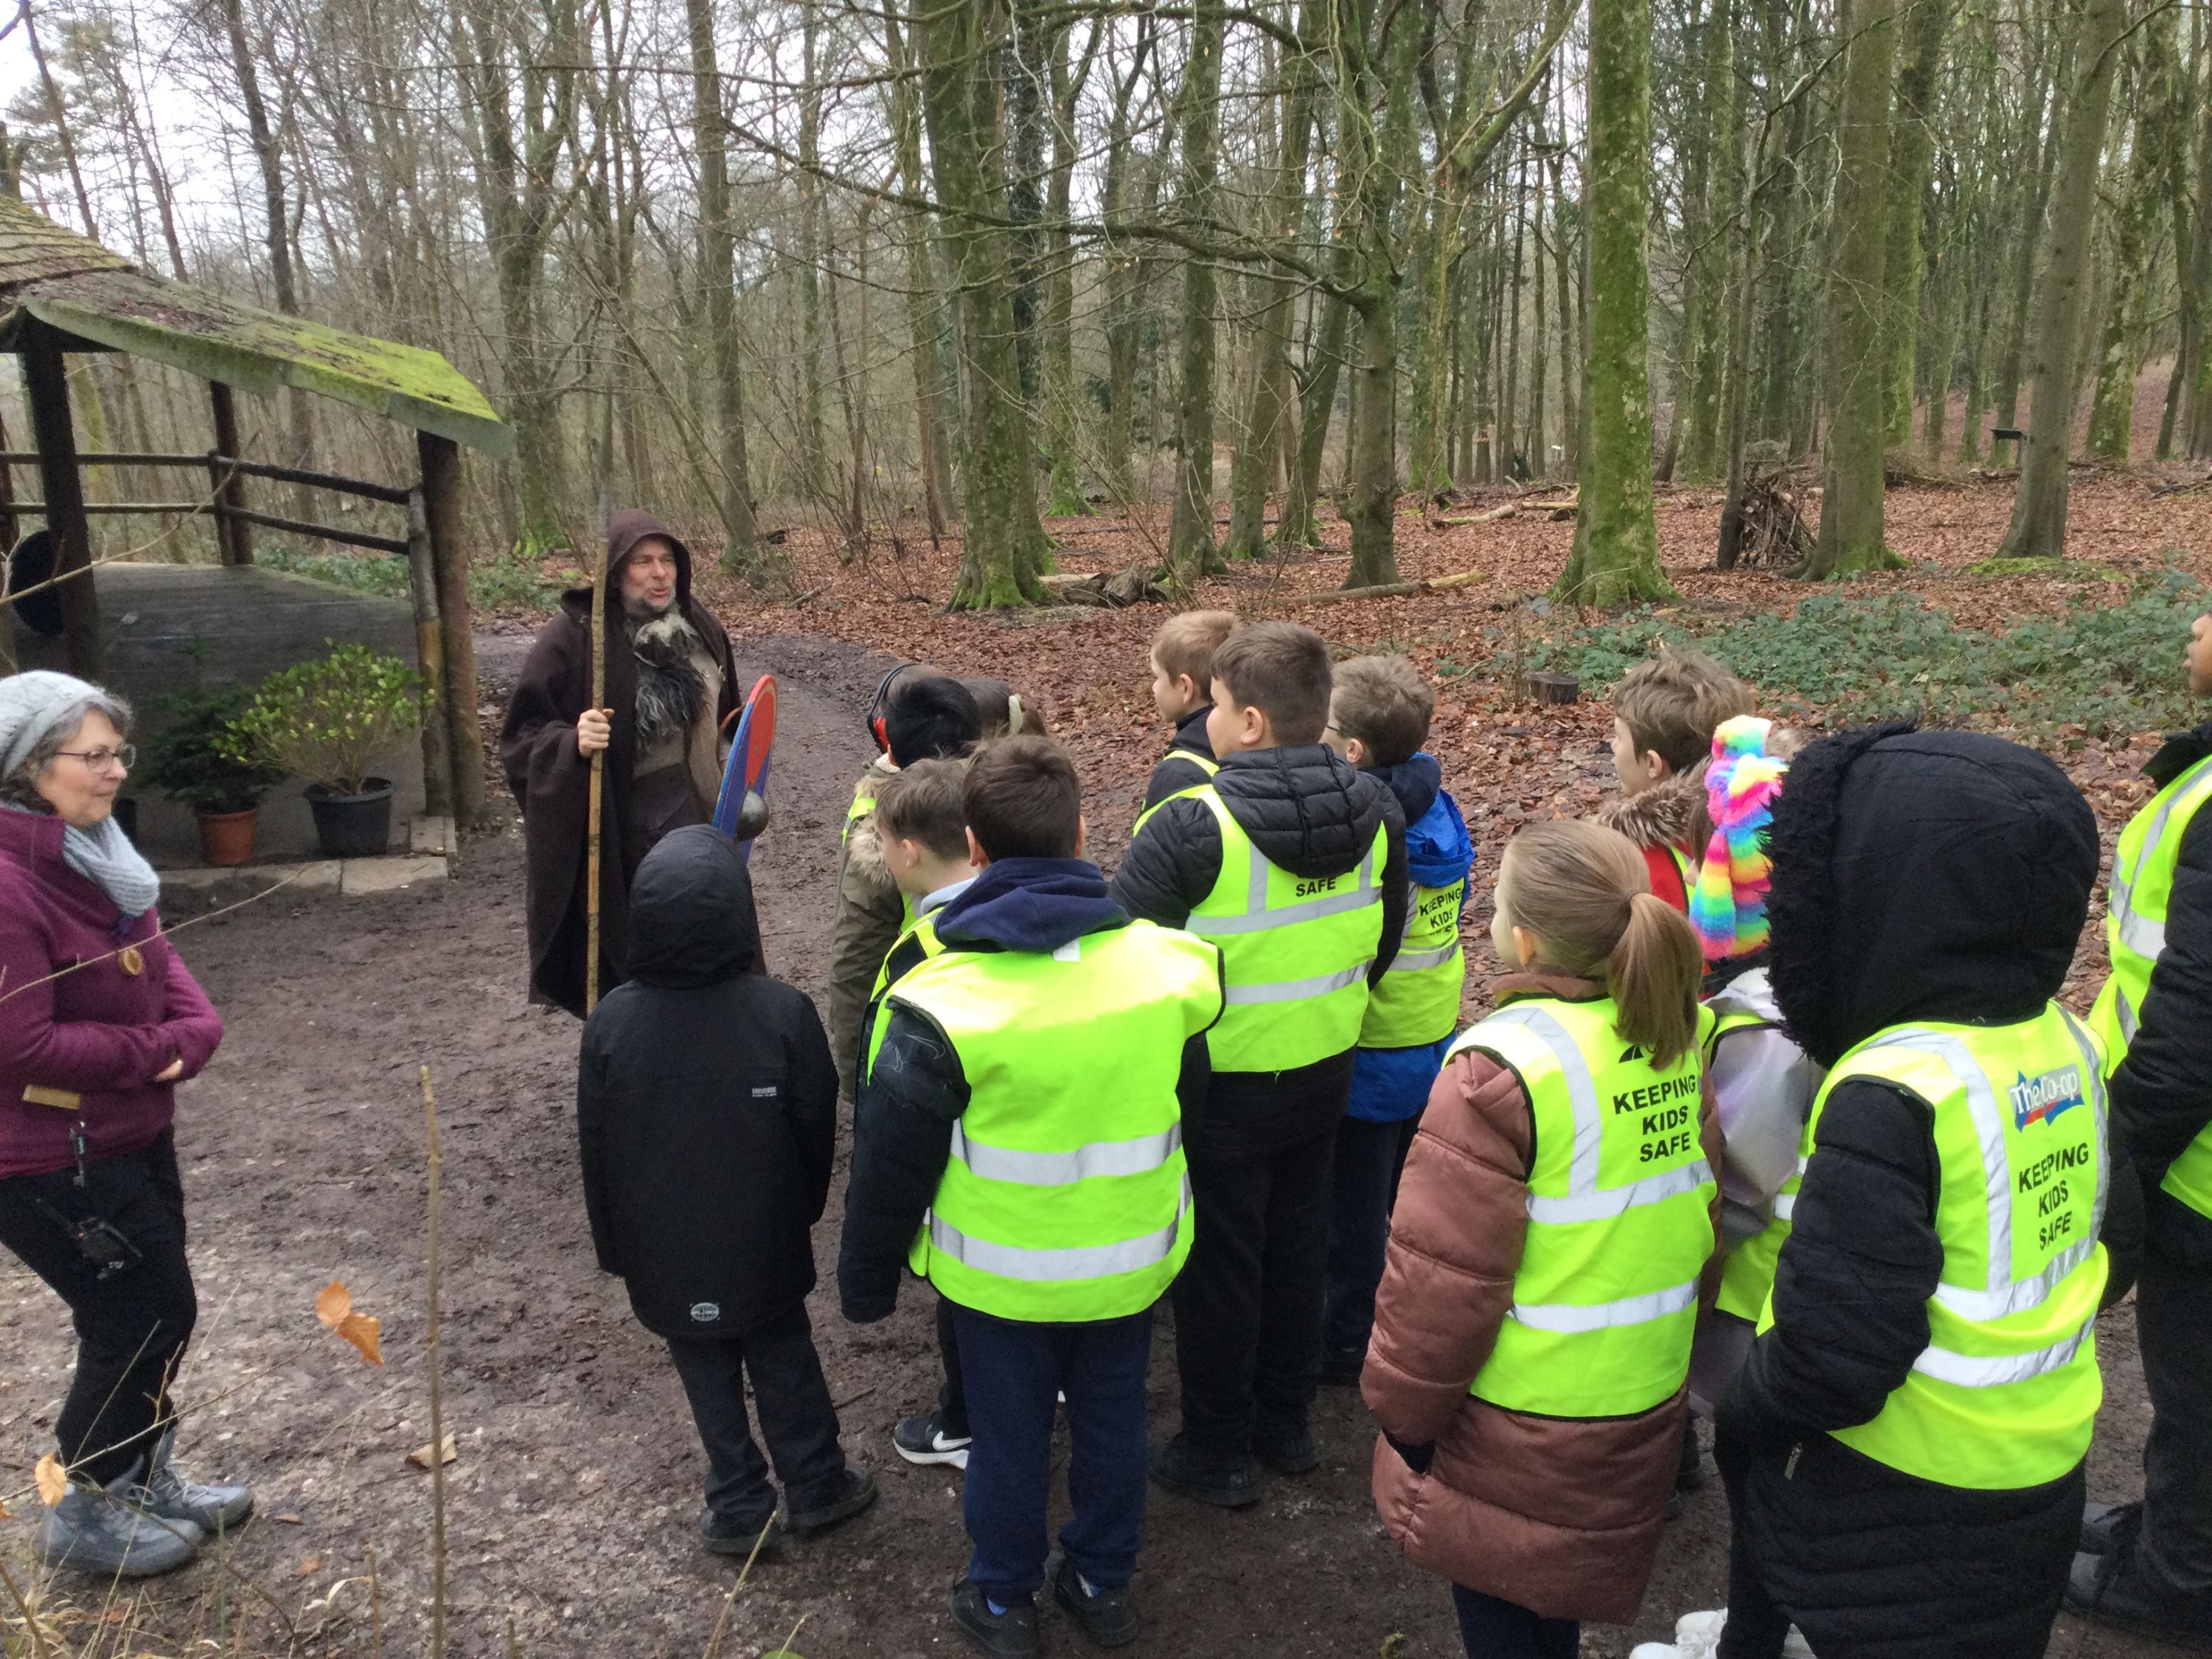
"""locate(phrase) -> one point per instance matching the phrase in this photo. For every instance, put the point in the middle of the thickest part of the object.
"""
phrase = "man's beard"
(640, 611)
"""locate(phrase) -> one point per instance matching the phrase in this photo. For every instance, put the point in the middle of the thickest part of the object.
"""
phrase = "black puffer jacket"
(2163, 1090)
(1917, 875)
(706, 1106)
(1178, 769)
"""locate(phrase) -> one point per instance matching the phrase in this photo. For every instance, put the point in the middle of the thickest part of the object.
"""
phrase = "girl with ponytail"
(1551, 1250)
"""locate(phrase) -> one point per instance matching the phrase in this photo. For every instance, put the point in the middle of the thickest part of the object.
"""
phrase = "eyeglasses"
(99, 760)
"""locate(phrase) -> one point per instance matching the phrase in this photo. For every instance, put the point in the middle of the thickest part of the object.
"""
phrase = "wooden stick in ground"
(598, 771)
(437, 1399)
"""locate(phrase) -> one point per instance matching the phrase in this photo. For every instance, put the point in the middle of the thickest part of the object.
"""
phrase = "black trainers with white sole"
(923, 1440)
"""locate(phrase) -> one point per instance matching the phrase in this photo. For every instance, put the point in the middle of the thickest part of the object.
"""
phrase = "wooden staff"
(598, 768)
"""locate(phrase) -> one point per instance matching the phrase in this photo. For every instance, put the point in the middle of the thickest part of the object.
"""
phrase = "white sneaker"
(1697, 1635)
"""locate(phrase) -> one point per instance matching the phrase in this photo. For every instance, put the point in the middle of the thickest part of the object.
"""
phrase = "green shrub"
(327, 719)
(190, 759)
(2109, 669)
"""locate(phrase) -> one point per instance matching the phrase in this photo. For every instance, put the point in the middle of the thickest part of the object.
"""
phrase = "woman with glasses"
(100, 1019)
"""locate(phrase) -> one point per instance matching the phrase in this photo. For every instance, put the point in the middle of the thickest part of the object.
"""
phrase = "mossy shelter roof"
(71, 282)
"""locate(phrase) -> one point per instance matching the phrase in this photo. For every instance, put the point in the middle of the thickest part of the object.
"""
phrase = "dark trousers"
(1014, 1371)
(1247, 1305)
(1757, 1625)
(132, 1326)
(1495, 1629)
(2174, 1325)
(953, 1393)
(1365, 1190)
(796, 1417)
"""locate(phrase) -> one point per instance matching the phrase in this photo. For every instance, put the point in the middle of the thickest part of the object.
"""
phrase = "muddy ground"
(571, 1504)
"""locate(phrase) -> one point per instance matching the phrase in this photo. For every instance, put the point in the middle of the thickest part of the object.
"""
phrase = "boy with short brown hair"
(1182, 691)
(1294, 862)
(1664, 713)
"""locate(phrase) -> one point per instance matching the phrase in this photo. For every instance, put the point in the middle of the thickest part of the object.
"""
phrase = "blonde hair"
(1186, 644)
(1385, 703)
(1581, 889)
(1672, 702)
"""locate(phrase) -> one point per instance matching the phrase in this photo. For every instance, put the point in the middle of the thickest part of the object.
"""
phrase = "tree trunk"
(1616, 555)
(1125, 278)
(2039, 506)
(1191, 551)
(813, 447)
(960, 48)
(1707, 316)
(2120, 351)
(1913, 150)
(934, 459)
(1851, 456)
(718, 283)
(1060, 425)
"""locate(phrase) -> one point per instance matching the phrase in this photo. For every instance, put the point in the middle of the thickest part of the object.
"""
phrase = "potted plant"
(191, 759)
(327, 721)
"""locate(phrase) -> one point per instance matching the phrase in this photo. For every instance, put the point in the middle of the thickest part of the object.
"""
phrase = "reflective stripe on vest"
(1417, 1000)
(1066, 1197)
(2134, 930)
(864, 803)
(1620, 1216)
(2005, 1394)
(1295, 950)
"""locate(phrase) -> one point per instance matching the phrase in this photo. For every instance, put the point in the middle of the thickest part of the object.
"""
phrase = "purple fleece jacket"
(97, 1032)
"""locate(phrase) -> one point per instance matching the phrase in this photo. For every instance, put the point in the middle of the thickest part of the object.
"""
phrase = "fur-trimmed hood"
(1661, 815)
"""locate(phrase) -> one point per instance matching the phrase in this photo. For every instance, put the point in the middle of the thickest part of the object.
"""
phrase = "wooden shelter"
(61, 292)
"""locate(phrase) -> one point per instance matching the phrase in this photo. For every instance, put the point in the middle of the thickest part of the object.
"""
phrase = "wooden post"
(234, 537)
(440, 460)
(46, 379)
(430, 658)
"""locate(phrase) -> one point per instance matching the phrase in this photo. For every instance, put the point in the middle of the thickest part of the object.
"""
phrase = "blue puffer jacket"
(1391, 1085)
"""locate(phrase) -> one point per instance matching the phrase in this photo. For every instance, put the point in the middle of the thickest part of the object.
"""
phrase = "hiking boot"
(923, 1440)
(1009, 1635)
(2103, 1524)
(1341, 1367)
(1288, 1450)
(2115, 1588)
(1107, 1617)
(109, 1532)
(735, 1534)
(170, 1495)
(1227, 1483)
(853, 1491)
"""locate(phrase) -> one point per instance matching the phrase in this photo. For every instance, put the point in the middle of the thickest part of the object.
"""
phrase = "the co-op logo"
(2041, 1099)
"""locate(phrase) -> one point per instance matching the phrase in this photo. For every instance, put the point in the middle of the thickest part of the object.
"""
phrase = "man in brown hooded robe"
(671, 683)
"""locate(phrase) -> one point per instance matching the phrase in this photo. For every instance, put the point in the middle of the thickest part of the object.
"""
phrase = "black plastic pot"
(353, 826)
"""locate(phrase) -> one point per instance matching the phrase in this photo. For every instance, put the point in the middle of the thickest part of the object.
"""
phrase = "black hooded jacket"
(1917, 876)
(706, 1106)
(1178, 769)
(1308, 810)
(2163, 1090)
(915, 1091)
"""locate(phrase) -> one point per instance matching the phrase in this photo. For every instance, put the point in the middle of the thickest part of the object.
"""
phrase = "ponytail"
(1582, 889)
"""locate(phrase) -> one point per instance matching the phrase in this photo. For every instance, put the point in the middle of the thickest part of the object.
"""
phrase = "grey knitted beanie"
(34, 702)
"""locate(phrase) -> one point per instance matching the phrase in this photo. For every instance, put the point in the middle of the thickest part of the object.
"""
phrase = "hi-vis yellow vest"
(864, 806)
(1066, 1198)
(920, 936)
(1747, 1004)
(2005, 1394)
(1295, 950)
(1620, 1216)
(2134, 928)
(1417, 1000)
(1207, 767)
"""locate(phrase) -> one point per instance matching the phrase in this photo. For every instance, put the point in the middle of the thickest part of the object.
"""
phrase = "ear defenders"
(879, 709)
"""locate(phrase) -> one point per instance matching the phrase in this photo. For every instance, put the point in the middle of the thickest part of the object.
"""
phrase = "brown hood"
(625, 530)
(1659, 816)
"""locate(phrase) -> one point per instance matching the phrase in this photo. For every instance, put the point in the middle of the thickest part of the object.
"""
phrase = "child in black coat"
(706, 1111)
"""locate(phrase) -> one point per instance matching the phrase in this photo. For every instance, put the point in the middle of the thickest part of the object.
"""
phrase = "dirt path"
(572, 1502)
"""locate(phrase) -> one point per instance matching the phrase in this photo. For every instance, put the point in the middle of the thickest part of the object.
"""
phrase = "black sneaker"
(853, 1492)
(1690, 1472)
(1341, 1367)
(1009, 1635)
(2103, 1524)
(1107, 1617)
(735, 1534)
(1287, 1451)
(923, 1440)
(2114, 1588)
(1227, 1483)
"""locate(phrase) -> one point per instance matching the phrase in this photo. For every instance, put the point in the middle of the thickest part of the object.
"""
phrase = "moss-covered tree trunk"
(2039, 503)
(961, 48)
(1912, 147)
(1191, 550)
(2120, 350)
(1616, 553)
(718, 283)
(1298, 526)
(1858, 370)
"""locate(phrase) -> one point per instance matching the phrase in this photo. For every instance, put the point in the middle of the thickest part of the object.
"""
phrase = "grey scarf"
(104, 856)
(670, 691)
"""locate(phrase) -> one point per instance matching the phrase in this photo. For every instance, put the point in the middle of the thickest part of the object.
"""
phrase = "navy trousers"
(1491, 1628)
(1013, 1374)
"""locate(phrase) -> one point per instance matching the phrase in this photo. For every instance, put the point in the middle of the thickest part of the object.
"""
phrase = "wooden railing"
(226, 502)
